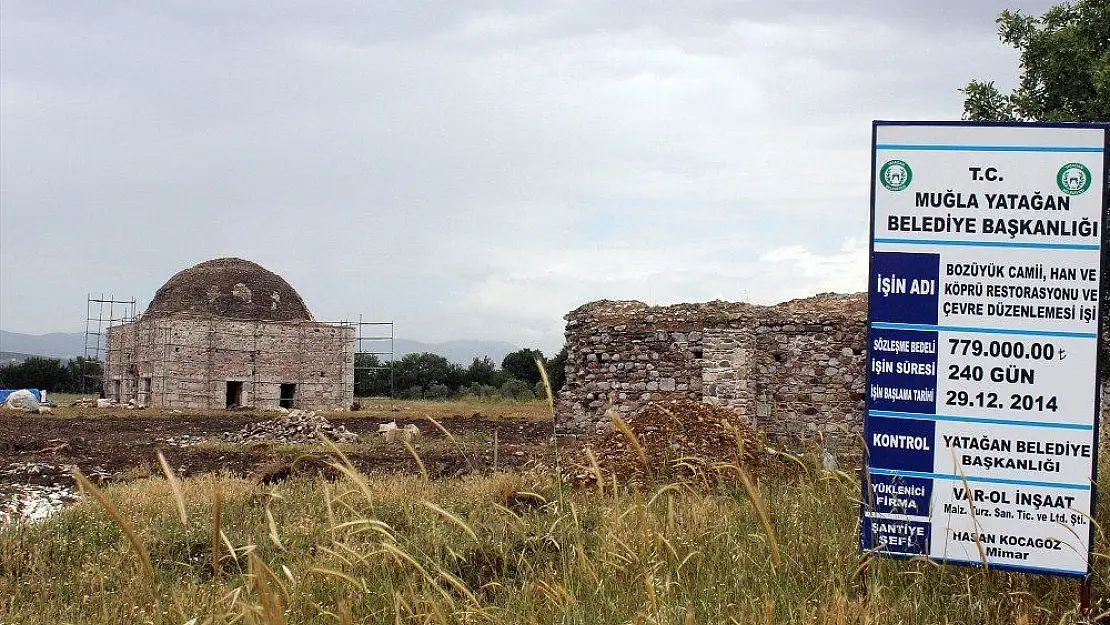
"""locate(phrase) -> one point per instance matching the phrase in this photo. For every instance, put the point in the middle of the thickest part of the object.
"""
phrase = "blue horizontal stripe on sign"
(985, 480)
(884, 325)
(959, 419)
(1036, 246)
(924, 147)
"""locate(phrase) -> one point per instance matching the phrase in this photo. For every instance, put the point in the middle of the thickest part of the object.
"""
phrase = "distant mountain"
(55, 345)
(71, 345)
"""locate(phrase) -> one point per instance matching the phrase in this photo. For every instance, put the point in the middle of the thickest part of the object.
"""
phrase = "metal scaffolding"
(109, 312)
(377, 342)
(372, 338)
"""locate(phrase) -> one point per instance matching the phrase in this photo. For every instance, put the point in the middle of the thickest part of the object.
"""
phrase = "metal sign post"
(983, 373)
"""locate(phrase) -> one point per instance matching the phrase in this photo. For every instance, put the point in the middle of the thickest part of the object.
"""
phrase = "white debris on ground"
(89, 402)
(299, 426)
(22, 502)
(30, 503)
(185, 440)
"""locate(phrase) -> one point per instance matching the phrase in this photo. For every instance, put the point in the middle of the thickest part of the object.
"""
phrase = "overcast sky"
(466, 169)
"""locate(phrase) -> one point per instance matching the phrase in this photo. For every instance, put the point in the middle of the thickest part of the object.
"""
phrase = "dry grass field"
(372, 533)
(504, 548)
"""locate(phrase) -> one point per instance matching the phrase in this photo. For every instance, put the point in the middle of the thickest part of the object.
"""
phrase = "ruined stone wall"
(795, 370)
(810, 380)
(186, 362)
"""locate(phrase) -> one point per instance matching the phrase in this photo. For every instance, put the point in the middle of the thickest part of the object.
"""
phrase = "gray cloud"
(468, 169)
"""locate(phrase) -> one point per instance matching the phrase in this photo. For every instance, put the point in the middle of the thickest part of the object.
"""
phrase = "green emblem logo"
(896, 175)
(1073, 178)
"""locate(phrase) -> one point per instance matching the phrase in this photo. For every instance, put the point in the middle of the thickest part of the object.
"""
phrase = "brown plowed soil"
(118, 444)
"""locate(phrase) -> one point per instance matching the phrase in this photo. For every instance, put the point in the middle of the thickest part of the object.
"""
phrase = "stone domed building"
(229, 333)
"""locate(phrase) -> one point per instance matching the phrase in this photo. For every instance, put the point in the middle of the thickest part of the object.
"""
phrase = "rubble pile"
(299, 426)
(676, 437)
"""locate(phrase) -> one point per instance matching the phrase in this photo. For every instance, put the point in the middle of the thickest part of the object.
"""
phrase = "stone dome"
(232, 288)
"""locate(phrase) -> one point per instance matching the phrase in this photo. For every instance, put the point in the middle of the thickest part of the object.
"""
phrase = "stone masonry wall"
(795, 370)
(184, 361)
(810, 381)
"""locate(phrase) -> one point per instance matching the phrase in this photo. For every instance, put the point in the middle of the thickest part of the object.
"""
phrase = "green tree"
(521, 365)
(1065, 77)
(514, 388)
(372, 376)
(82, 375)
(557, 370)
(483, 372)
(47, 374)
(437, 391)
(426, 369)
(1065, 67)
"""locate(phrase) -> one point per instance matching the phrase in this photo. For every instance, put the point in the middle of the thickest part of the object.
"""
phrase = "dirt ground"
(118, 444)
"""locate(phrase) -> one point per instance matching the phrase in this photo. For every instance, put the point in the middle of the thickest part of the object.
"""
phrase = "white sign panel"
(982, 420)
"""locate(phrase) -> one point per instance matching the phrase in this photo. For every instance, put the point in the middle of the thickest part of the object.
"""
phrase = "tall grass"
(502, 549)
(509, 548)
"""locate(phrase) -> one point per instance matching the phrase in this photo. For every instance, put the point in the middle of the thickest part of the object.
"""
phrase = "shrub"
(516, 389)
(437, 391)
